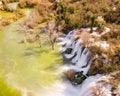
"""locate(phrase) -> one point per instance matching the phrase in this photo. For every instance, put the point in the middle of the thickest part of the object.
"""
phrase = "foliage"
(67, 20)
(84, 3)
(51, 33)
(9, 17)
(71, 10)
(113, 16)
(10, 1)
(111, 66)
(27, 3)
(62, 7)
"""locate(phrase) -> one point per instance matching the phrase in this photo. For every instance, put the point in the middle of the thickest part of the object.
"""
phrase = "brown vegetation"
(113, 16)
(51, 33)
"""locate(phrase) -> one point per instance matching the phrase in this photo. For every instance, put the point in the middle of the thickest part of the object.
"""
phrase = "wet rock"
(75, 77)
(68, 51)
(70, 74)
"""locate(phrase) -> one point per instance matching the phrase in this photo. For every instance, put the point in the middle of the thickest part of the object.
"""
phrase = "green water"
(26, 65)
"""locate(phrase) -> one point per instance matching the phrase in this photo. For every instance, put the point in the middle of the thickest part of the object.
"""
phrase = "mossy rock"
(68, 50)
(75, 77)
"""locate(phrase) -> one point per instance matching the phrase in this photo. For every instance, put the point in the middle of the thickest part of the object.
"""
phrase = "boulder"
(75, 77)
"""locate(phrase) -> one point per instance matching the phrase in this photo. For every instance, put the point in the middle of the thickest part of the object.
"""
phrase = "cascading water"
(79, 55)
(81, 60)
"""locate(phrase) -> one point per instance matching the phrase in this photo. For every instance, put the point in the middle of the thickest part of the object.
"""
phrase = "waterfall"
(81, 60)
(79, 55)
(75, 46)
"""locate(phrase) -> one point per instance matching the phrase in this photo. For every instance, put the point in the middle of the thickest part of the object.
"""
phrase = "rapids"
(81, 61)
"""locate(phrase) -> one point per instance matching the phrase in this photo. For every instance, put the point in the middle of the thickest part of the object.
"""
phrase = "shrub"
(71, 10)
(67, 20)
(62, 7)
(113, 16)
(87, 9)
(27, 3)
(104, 10)
(84, 3)
(75, 25)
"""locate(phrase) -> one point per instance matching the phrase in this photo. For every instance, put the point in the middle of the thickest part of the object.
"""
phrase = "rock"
(75, 77)
(70, 74)
(68, 51)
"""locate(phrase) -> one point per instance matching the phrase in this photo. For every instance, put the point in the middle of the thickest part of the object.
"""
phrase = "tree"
(51, 33)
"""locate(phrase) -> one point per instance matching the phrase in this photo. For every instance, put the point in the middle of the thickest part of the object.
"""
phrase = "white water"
(65, 88)
(97, 84)
(81, 58)
(75, 47)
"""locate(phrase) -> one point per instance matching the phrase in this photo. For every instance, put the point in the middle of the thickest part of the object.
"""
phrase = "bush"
(27, 3)
(113, 16)
(63, 8)
(71, 10)
(104, 10)
(84, 3)
(67, 20)
(87, 9)
(75, 25)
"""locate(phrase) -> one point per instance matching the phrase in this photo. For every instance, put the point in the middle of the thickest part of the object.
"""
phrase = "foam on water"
(65, 88)
(81, 57)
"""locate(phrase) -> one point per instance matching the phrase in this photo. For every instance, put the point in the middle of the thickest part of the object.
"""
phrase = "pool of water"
(26, 66)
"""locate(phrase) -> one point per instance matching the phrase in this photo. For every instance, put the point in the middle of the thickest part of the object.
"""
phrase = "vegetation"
(26, 3)
(113, 16)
